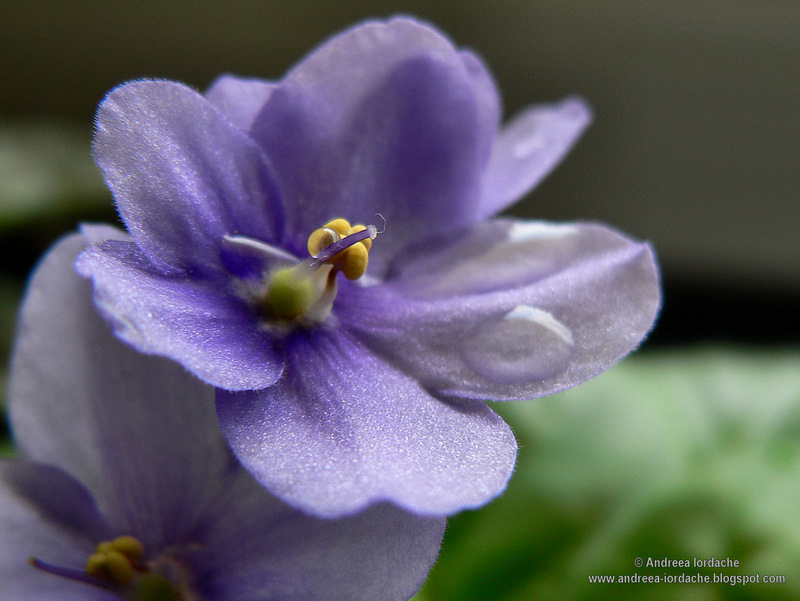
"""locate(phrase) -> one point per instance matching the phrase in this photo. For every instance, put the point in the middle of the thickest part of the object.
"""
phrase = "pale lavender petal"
(488, 97)
(384, 118)
(183, 175)
(239, 98)
(528, 148)
(344, 430)
(100, 232)
(138, 431)
(263, 550)
(202, 324)
(510, 310)
(55, 527)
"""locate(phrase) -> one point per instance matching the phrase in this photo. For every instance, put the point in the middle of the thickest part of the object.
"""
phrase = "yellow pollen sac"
(352, 261)
(115, 559)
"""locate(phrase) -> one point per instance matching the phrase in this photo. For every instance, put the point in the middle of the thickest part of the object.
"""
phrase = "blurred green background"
(687, 449)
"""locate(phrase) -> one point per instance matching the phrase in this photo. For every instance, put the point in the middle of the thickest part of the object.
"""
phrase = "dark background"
(695, 144)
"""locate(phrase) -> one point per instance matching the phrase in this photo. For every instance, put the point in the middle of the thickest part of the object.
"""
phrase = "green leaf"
(46, 168)
(669, 454)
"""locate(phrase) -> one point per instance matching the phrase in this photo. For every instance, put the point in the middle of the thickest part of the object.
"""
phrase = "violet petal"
(67, 369)
(182, 174)
(381, 553)
(202, 324)
(403, 134)
(529, 147)
(343, 430)
(239, 98)
(510, 310)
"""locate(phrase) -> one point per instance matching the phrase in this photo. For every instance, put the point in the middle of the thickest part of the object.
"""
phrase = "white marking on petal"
(527, 231)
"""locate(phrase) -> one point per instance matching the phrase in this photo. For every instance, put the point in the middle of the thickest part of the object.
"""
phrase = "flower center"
(118, 566)
(303, 291)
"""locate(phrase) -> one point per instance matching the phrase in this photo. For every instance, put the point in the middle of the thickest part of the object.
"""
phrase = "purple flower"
(339, 391)
(127, 489)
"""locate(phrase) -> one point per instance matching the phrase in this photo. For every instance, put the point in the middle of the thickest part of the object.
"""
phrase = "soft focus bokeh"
(691, 448)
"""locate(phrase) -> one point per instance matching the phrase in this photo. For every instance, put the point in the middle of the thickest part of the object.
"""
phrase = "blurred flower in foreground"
(127, 489)
(244, 205)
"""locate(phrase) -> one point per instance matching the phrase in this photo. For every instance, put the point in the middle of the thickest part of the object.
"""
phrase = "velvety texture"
(387, 121)
(114, 442)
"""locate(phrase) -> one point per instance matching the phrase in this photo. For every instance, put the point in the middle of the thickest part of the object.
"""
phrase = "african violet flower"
(378, 156)
(127, 488)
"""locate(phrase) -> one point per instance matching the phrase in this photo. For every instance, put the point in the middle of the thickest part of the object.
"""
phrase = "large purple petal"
(46, 514)
(385, 118)
(509, 310)
(87, 403)
(240, 99)
(343, 430)
(202, 324)
(528, 148)
(263, 550)
(183, 175)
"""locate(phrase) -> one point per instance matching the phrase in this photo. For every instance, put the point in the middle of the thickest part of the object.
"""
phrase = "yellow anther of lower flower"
(115, 559)
(352, 261)
(129, 546)
(113, 565)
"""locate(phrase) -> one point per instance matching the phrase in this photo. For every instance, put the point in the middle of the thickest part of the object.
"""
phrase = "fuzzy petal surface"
(345, 429)
(202, 324)
(384, 118)
(239, 99)
(528, 148)
(509, 310)
(265, 550)
(82, 401)
(44, 513)
(183, 175)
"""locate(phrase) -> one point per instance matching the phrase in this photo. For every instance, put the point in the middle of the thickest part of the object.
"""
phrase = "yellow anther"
(339, 225)
(119, 567)
(129, 546)
(96, 565)
(111, 564)
(321, 239)
(354, 262)
(115, 559)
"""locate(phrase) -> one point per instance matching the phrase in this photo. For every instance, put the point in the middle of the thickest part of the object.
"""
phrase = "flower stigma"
(118, 566)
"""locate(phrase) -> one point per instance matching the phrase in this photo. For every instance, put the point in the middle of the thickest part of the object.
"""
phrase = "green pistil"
(153, 587)
(290, 293)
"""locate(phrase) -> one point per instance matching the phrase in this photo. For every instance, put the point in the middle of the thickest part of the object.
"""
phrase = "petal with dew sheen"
(510, 310)
(344, 430)
(528, 148)
(239, 98)
(202, 324)
(183, 175)
(381, 553)
(404, 133)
